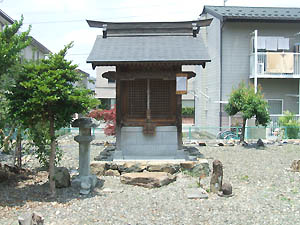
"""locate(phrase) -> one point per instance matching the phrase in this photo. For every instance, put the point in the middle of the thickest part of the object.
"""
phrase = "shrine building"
(148, 59)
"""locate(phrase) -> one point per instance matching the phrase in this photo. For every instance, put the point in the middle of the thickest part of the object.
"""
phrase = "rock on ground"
(148, 179)
(62, 177)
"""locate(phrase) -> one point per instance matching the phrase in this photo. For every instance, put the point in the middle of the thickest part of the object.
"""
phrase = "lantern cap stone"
(85, 122)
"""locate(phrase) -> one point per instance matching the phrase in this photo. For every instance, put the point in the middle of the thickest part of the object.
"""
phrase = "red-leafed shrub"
(109, 116)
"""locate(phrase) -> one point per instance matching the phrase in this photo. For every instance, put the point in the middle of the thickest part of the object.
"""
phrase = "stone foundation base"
(197, 168)
(86, 183)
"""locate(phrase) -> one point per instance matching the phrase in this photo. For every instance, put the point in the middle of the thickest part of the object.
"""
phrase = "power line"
(84, 20)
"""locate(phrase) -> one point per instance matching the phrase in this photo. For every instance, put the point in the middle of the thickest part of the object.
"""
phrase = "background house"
(4, 20)
(274, 64)
(105, 89)
(35, 50)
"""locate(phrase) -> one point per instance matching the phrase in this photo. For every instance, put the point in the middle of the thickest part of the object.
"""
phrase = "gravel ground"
(265, 192)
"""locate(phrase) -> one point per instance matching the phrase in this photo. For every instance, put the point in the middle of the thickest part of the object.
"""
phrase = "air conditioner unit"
(260, 68)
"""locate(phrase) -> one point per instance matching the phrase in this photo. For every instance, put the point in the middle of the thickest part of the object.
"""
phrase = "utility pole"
(225, 2)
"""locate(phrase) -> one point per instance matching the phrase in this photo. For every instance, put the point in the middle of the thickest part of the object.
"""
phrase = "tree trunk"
(242, 137)
(52, 157)
(18, 150)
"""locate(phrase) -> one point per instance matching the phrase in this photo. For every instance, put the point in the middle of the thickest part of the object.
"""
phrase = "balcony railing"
(275, 65)
(275, 120)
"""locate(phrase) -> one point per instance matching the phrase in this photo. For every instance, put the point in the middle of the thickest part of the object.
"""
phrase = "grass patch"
(245, 178)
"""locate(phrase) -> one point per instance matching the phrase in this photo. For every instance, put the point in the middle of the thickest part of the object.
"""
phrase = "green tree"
(244, 100)
(45, 93)
(11, 44)
(12, 41)
(291, 124)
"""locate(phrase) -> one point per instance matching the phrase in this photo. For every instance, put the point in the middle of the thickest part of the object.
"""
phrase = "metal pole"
(255, 61)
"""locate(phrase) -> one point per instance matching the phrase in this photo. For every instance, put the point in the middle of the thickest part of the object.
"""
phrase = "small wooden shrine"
(148, 57)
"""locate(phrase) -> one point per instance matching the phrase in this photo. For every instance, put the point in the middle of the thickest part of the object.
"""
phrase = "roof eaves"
(6, 17)
(40, 46)
(115, 63)
(260, 19)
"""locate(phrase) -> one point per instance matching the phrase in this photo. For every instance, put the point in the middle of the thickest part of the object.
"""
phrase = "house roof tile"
(253, 13)
(116, 50)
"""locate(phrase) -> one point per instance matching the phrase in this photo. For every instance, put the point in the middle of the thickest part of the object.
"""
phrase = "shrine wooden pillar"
(179, 120)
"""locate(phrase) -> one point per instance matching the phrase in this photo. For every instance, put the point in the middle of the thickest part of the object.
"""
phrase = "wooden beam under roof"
(150, 27)
(144, 75)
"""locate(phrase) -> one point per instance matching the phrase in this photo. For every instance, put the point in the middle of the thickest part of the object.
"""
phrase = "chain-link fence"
(227, 133)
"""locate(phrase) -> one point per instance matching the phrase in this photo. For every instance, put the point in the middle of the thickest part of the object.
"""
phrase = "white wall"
(103, 88)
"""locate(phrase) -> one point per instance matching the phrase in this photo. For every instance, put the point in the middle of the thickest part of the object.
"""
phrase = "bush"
(291, 124)
(109, 116)
(188, 111)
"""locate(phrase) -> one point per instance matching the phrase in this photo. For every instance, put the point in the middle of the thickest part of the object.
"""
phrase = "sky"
(55, 23)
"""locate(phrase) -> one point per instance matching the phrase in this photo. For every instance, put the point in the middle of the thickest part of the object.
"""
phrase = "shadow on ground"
(33, 186)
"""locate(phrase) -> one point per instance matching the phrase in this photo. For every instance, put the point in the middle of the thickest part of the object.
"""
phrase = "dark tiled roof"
(6, 17)
(116, 50)
(253, 13)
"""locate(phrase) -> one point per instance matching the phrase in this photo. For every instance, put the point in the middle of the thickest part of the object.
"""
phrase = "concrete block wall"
(136, 145)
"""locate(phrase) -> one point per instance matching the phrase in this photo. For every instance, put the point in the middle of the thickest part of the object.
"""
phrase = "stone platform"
(190, 154)
(199, 167)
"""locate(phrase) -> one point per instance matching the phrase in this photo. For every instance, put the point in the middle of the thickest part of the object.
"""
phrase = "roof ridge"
(246, 13)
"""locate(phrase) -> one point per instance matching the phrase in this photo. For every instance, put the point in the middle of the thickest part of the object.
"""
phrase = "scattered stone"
(98, 168)
(163, 167)
(202, 144)
(217, 177)
(230, 143)
(148, 180)
(187, 165)
(130, 167)
(196, 193)
(112, 173)
(260, 143)
(296, 166)
(245, 144)
(201, 168)
(109, 190)
(31, 219)
(227, 189)
(62, 177)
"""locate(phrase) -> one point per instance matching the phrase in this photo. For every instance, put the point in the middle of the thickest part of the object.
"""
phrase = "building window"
(275, 106)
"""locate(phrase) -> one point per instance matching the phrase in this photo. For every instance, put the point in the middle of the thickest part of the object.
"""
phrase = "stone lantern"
(86, 179)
